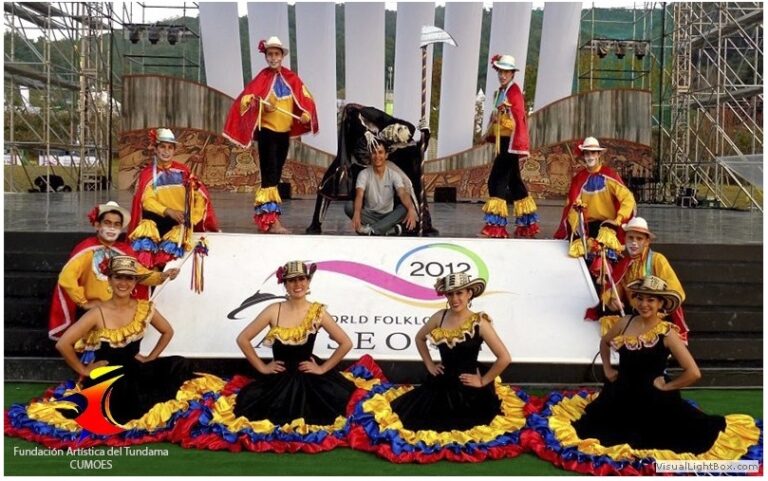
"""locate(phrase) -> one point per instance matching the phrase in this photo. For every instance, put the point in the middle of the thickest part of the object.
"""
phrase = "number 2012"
(435, 269)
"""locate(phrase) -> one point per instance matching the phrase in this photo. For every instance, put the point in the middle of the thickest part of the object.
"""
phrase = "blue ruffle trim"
(267, 208)
(144, 244)
(494, 219)
(400, 446)
(172, 248)
(527, 219)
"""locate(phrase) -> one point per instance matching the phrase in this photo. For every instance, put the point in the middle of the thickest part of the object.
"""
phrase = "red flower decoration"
(93, 215)
(279, 274)
(104, 266)
(263, 46)
(495, 58)
(152, 136)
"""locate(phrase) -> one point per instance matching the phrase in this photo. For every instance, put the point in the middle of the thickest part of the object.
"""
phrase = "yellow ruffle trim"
(607, 237)
(174, 235)
(223, 413)
(146, 228)
(270, 194)
(607, 323)
(740, 433)
(154, 419)
(647, 339)
(295, 336)
(525, 206)
(360, 383)
(496, 206)
(511, 419)
(451, 337)
(577, 248)
(122, 336)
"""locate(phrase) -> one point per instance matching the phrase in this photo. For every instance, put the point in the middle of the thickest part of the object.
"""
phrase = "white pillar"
(557, 56)
(410, 18)
(364, 53)
(266, 19)
(510, 30)
(316, 50)
(220, 34)
(458, 86)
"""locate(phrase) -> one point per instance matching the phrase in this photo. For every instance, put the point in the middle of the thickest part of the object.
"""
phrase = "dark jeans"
(381, 224)
(505, 180)
(273, 150)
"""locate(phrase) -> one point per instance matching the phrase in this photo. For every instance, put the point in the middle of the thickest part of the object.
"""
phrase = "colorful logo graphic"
(92, 403)
(397, 286)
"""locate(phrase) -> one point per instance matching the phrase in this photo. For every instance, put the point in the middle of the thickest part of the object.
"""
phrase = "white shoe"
(365, 229)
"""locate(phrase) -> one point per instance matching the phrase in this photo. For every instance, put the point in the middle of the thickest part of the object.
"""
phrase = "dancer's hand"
(411, 220)
(435, 369)
(273, 367)
(142, 358)
(305, 118)
(310, 367)
(472, 380)
(615, 304)
(174, 214)
(610, 373)
(660, 383)
(171, 273)
(356, 224)
(90, 367)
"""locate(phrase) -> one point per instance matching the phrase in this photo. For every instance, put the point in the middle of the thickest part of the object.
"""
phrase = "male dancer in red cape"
(82, 283)
(168, 205)
(274, 107)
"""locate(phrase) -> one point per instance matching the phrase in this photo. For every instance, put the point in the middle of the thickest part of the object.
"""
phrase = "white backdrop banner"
(380, 292)
(266, 19)
(364, 53)
(557, 57)
(411, 16)
(220, 32)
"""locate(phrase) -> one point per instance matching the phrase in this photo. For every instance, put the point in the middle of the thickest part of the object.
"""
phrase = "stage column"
(510, 30)
(220, 34)
(316, 51)
(557, 56)
(266, 19)
(410, 18)
(458, 90)
(364, 53)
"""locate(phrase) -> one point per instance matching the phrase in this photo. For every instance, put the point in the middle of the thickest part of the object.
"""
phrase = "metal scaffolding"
(63, 66)
(58, 94)
(716, 102)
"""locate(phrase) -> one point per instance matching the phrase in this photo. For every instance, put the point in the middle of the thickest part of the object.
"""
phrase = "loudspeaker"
(445, 194)
(284, 189)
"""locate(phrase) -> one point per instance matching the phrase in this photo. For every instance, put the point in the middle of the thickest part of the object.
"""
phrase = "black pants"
(164, 224)
(273, 150)
(505, 180)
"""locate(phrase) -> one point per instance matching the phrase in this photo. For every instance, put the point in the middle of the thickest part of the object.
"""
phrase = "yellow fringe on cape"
(297, 335)
(740, 433)
(224, 414)
(146, 228)
(154, 419)
(270, 194)
(577, 248)
(525, 206)
(511, 419)
(496, 206)
(121, 336)
(607, 237)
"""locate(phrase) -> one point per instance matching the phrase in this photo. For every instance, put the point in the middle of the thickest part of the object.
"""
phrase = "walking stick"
(160, 288)
(429, 35)
(609, 273)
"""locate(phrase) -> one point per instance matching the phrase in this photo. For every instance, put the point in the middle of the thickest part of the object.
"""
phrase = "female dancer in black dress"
(124, 397)
(296, 402)
(639, 416)
(461, 412)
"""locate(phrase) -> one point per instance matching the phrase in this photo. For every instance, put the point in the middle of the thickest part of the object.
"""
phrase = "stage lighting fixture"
(173, 35)
(620, 50)
(134, 35)
(153, 35)
(641, 50)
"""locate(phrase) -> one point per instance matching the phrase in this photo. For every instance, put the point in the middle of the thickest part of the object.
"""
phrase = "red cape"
(63, 308)
(519, 144)
(240, 129)
(578, 181)
(210, 222)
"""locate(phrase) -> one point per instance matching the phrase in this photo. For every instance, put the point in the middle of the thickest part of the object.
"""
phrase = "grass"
(338, 462)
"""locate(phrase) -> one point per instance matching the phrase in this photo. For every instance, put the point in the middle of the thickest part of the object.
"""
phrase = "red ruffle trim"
(146, 258)
(265, 221)
(495, 231)
(527, 231)
(162, 258)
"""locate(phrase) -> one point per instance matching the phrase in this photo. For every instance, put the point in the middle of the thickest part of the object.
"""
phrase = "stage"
(66, 212)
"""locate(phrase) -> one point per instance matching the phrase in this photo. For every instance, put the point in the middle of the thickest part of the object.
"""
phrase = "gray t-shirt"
(379, 191)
